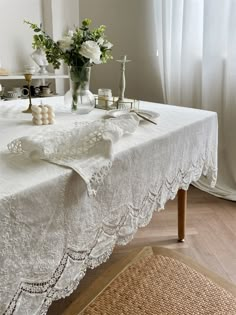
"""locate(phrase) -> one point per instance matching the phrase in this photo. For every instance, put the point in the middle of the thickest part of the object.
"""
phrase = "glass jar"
(105, 100)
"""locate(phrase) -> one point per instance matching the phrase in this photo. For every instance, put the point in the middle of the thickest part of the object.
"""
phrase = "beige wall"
(57, 17)
(15, 36)
(130, 29)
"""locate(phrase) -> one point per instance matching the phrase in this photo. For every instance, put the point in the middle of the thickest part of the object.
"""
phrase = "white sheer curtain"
(197, 55)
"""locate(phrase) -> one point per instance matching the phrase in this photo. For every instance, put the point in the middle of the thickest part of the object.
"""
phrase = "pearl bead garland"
(43, 115)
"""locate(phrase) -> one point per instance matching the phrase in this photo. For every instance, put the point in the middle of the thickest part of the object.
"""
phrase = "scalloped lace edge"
(153, 201)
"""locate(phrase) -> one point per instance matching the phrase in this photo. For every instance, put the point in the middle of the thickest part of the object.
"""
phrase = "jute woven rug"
(163, 284)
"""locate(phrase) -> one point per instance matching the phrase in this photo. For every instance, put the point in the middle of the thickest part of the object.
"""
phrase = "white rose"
(70, 33)
(100, 41)
(65, 43)
(107, 45)
(91, 50)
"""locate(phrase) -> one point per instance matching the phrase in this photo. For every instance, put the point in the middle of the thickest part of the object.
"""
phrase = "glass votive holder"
(136, 104)
(127, 104)
(105, 99)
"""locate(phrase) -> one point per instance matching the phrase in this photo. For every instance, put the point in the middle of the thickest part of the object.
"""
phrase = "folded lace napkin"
(84, 147)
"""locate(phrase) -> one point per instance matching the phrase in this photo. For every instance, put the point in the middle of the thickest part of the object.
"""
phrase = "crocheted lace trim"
(154, 200)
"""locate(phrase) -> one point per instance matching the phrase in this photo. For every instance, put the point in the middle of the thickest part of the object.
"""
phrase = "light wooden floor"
(211, 240)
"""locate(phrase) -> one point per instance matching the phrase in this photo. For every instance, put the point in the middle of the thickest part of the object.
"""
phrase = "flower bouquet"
(79, 49)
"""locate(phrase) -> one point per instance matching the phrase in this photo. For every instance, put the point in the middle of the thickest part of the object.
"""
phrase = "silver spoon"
(143, 116)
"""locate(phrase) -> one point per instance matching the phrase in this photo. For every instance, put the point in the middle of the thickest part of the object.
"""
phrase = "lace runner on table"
(86, 147)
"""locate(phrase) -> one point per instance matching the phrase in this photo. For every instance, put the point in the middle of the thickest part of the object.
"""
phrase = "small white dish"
(11, 98)
(119, 112)
(46, 95)
(148, 113)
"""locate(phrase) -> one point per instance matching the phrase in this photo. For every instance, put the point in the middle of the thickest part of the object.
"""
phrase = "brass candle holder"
(28, 79)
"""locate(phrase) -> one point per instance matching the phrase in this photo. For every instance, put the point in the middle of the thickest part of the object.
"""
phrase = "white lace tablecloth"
(51, 230)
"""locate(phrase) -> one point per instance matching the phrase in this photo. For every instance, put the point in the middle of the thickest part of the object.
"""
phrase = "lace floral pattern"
(86, 147)
(152, 201)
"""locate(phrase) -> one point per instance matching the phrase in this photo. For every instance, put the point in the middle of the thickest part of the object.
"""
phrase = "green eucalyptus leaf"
(69, 48)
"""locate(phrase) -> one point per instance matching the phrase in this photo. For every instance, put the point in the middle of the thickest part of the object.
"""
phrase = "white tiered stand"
(19, 76)
(43, 77)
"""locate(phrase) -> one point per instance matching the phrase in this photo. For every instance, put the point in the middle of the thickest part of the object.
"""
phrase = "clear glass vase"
(79, 96)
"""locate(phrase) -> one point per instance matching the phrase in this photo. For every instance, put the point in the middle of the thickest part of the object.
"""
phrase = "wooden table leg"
(182, 207)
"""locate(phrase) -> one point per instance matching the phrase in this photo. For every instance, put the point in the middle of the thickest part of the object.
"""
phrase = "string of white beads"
(43, 115)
